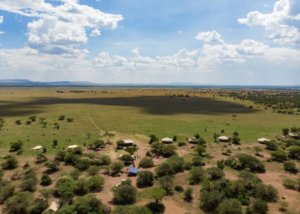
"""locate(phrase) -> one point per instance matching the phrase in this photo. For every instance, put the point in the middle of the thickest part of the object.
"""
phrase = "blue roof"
(133, 170)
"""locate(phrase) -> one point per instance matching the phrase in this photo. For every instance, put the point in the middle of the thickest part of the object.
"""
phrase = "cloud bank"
(57, 36)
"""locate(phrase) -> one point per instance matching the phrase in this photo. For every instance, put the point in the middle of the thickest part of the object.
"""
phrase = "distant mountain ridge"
(29, 83)
(25, 82)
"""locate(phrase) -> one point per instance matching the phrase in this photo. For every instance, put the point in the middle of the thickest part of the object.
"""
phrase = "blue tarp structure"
(133, 170)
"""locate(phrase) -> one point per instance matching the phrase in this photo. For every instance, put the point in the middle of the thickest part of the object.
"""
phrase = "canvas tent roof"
(263, 139)
(53, 206)
(167, 139)
(73, 146)
(37, 147)
(225, 138)
(128, 141)
(133, 170)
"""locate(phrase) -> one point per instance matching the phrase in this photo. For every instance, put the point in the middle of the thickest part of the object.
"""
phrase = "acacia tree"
(108, 135)
(1, 123)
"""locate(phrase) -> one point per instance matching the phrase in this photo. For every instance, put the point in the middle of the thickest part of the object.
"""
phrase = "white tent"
(53, 206)
(37, 147)
(263, 140)
(128, 141)
(223, 138)
(73, 147)
(167, 140)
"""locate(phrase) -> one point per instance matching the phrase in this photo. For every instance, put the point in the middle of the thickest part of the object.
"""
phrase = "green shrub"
(153, 139)
(105, 160)
(124, 194)
(18, 203)
(10, 162)
(95, 183)
(83, 163)
(96, 145)
(245, 161)
(290, 166)
(127, 159)
(168, 151)
(258, 206)
(29, 181)
(145, 179)
(214, 173)
(52, 166)
(197, 161)
(279, 156)
(196, 175)
(93, 170)
(6, 190)
(178, 188)
(116, 167)
(166, 182)
(291, 184)
(88, 204)
(266, 193)
(181, 143)
(188, 195)
(236, 139)
(16, 146)
(272, 145)
(75, 174)
(210, 200)
(65, 188)
(146, 163)
(294, 152)
(46, 180)
(230, 206)
(40, 158)
(132, 210)
(201, 150)
(82, 187)
(156, 207)
(38, 206)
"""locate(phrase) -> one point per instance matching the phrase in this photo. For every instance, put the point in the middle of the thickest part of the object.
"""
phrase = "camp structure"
(167, 140)
(37, 148)
(54, 206)
(263, 140)
(193, 140)
(128, 142)
(294, 135)
(223, 138)
(73, 147)
(133, 171)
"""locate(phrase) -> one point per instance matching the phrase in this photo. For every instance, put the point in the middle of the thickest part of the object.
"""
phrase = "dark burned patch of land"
(156, 105)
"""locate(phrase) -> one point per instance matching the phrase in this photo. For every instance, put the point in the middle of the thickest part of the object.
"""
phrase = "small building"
(73, 147)
(294, 135)
(37, 148)
(133, 171)
(167, 140)
(193, 140)
(223, 138)
(128, 142)
(263, 140)
(54, 206)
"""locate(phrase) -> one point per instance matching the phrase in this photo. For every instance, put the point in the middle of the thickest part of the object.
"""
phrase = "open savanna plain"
(56, 118)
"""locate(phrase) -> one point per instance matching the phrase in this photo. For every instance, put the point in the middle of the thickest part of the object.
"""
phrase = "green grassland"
(130, 112)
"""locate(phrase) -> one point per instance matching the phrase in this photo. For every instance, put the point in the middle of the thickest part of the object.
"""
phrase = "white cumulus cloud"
(281, 25)
(209, 37)
(62, 28)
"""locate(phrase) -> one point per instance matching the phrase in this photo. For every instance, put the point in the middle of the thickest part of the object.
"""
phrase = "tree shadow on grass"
(155, 105)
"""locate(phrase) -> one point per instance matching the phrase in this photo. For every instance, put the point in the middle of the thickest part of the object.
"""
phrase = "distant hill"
(29, 83)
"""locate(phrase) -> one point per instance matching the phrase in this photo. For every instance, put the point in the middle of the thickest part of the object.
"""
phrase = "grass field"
(135, 114)
(130, 112)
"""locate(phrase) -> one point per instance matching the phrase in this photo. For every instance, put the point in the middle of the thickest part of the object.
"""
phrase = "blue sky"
(151, 41)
